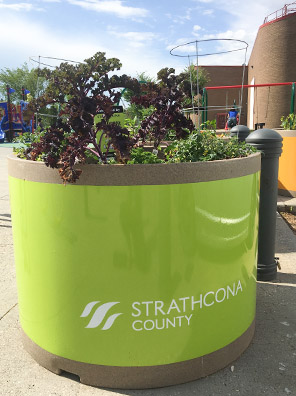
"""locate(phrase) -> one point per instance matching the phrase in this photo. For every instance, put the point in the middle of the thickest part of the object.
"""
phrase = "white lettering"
(231, 291)
(157, 325)
(134, 325)
(137, 309)
(154, 309)
(173, 306)
(184, 302)
(224, 295)
(158, 306)
(147, 306)
(160, 324)
(146, 323)
(196, 302)
(239, 287)
(173, 324)
(204, 299)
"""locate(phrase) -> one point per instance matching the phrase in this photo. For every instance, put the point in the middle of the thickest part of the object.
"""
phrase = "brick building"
(272, 61)
(220, 99)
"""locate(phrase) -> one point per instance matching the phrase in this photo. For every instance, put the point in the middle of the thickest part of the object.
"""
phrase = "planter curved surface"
(287, 164)
(138, 276)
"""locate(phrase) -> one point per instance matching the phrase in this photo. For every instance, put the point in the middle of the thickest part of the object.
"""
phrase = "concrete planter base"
(138, 276)
(142, 377)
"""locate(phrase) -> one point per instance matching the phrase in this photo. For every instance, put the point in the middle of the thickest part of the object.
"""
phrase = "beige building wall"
(272, 61)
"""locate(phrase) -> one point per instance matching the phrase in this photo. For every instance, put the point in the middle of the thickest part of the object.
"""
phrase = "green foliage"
(138, 112)
(182, 81)
(166, 98)
(133, 110)
(289, 122)
(132, 125)
(25, 140)
(203, 79)
(209, 125)
(140, 156)
(143, 78)
(18, 78)
(206, 146)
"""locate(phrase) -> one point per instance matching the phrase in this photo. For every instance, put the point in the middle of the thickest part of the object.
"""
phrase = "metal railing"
(286, 10)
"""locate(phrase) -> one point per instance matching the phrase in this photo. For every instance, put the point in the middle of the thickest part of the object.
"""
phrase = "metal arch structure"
(32, 59)
(212, 53)
(196, 55)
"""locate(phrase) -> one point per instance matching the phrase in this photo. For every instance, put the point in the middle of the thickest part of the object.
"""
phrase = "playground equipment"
(12, 122)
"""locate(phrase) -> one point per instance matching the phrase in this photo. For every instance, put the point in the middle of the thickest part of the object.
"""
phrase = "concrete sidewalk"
(267, 367)
(286, 204)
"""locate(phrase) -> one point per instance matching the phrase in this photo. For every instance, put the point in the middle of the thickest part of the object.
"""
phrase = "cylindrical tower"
(272, 61)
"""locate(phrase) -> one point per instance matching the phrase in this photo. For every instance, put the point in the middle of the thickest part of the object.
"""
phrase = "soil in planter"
(290, 219)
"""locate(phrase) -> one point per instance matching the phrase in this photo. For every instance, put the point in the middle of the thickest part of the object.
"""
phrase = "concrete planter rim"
(286, 132)
(139, 174)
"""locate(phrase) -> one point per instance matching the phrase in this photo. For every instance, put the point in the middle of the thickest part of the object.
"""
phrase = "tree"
(134, 110)
(33, 81)
(189, 81)
(18, 78)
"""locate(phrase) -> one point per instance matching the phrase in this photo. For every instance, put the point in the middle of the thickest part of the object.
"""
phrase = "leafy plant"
(140, 156)
(133, 110)
(289, 122)
(209, 125)
(25, 140)
(206, 146)
(166, 98)
(84, 90)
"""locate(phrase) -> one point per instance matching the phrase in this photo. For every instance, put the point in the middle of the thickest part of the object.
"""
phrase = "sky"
(140, 33)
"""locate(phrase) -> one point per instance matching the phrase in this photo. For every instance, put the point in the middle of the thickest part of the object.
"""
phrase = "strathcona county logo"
(99, 315)
(156, 315)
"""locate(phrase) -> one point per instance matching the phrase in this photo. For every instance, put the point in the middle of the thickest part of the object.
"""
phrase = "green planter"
(138, 276)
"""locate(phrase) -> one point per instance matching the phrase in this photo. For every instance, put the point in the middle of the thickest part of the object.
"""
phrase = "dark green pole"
(203, 111)
(292, 98)
(269, 142)
(121, 93)
(205, 105)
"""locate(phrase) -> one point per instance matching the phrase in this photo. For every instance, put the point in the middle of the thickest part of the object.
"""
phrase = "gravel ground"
(290, 219)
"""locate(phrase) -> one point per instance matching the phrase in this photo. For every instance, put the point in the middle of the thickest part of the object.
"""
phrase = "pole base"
(267, 272)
